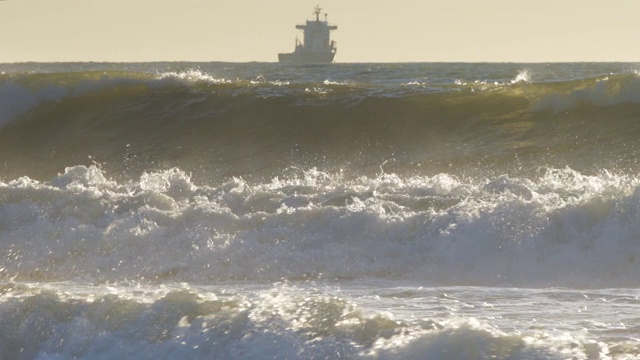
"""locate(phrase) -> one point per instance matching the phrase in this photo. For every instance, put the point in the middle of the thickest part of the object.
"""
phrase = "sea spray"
(563, 229)
(360, 211)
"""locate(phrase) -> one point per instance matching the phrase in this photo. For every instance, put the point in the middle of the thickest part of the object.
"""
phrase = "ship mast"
(317, 11)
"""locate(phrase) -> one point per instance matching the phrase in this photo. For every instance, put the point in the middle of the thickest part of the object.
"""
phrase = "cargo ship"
(317, 46)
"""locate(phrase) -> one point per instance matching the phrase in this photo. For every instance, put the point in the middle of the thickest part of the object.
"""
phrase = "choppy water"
(383, 211)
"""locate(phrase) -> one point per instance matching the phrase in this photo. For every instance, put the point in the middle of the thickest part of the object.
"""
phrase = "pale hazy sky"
(368, 30)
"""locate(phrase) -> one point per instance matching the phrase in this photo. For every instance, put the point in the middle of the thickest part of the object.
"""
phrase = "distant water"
(352, 211)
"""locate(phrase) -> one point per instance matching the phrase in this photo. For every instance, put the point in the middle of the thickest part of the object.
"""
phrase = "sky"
(368, 30)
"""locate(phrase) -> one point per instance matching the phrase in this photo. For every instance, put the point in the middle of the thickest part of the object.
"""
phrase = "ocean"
(351, 211)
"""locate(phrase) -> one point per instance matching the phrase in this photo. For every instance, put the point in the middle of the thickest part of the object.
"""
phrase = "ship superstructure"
(317, 46)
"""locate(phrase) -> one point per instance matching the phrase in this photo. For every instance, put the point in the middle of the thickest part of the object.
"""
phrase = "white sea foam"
(523, 76)
(564, 228)
(332, 82)
(72, 321)
(193, 75)
(317, 90)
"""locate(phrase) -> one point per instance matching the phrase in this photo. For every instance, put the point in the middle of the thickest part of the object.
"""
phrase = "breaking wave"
(563, 228)
(372, 211)
(191, 322)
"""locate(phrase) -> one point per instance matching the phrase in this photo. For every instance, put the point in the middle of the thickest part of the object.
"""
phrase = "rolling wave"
(130, 120)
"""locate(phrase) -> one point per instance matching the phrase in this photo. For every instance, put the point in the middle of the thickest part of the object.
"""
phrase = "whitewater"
(351, 211)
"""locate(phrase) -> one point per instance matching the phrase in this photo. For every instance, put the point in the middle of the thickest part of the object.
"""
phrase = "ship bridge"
(317, 33)
(317, 46)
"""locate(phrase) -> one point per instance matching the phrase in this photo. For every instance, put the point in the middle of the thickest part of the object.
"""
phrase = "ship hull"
(306, 58)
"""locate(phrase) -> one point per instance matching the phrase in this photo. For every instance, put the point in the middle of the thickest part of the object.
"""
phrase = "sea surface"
(352, 211)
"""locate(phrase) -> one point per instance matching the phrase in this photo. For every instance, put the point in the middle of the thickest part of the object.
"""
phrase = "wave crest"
(601, 92)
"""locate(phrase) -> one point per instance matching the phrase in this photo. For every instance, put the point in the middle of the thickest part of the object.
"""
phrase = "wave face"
(257, 120)
(374, 211)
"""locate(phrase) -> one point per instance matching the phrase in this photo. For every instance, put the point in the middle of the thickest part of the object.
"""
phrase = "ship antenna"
(317, 11)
